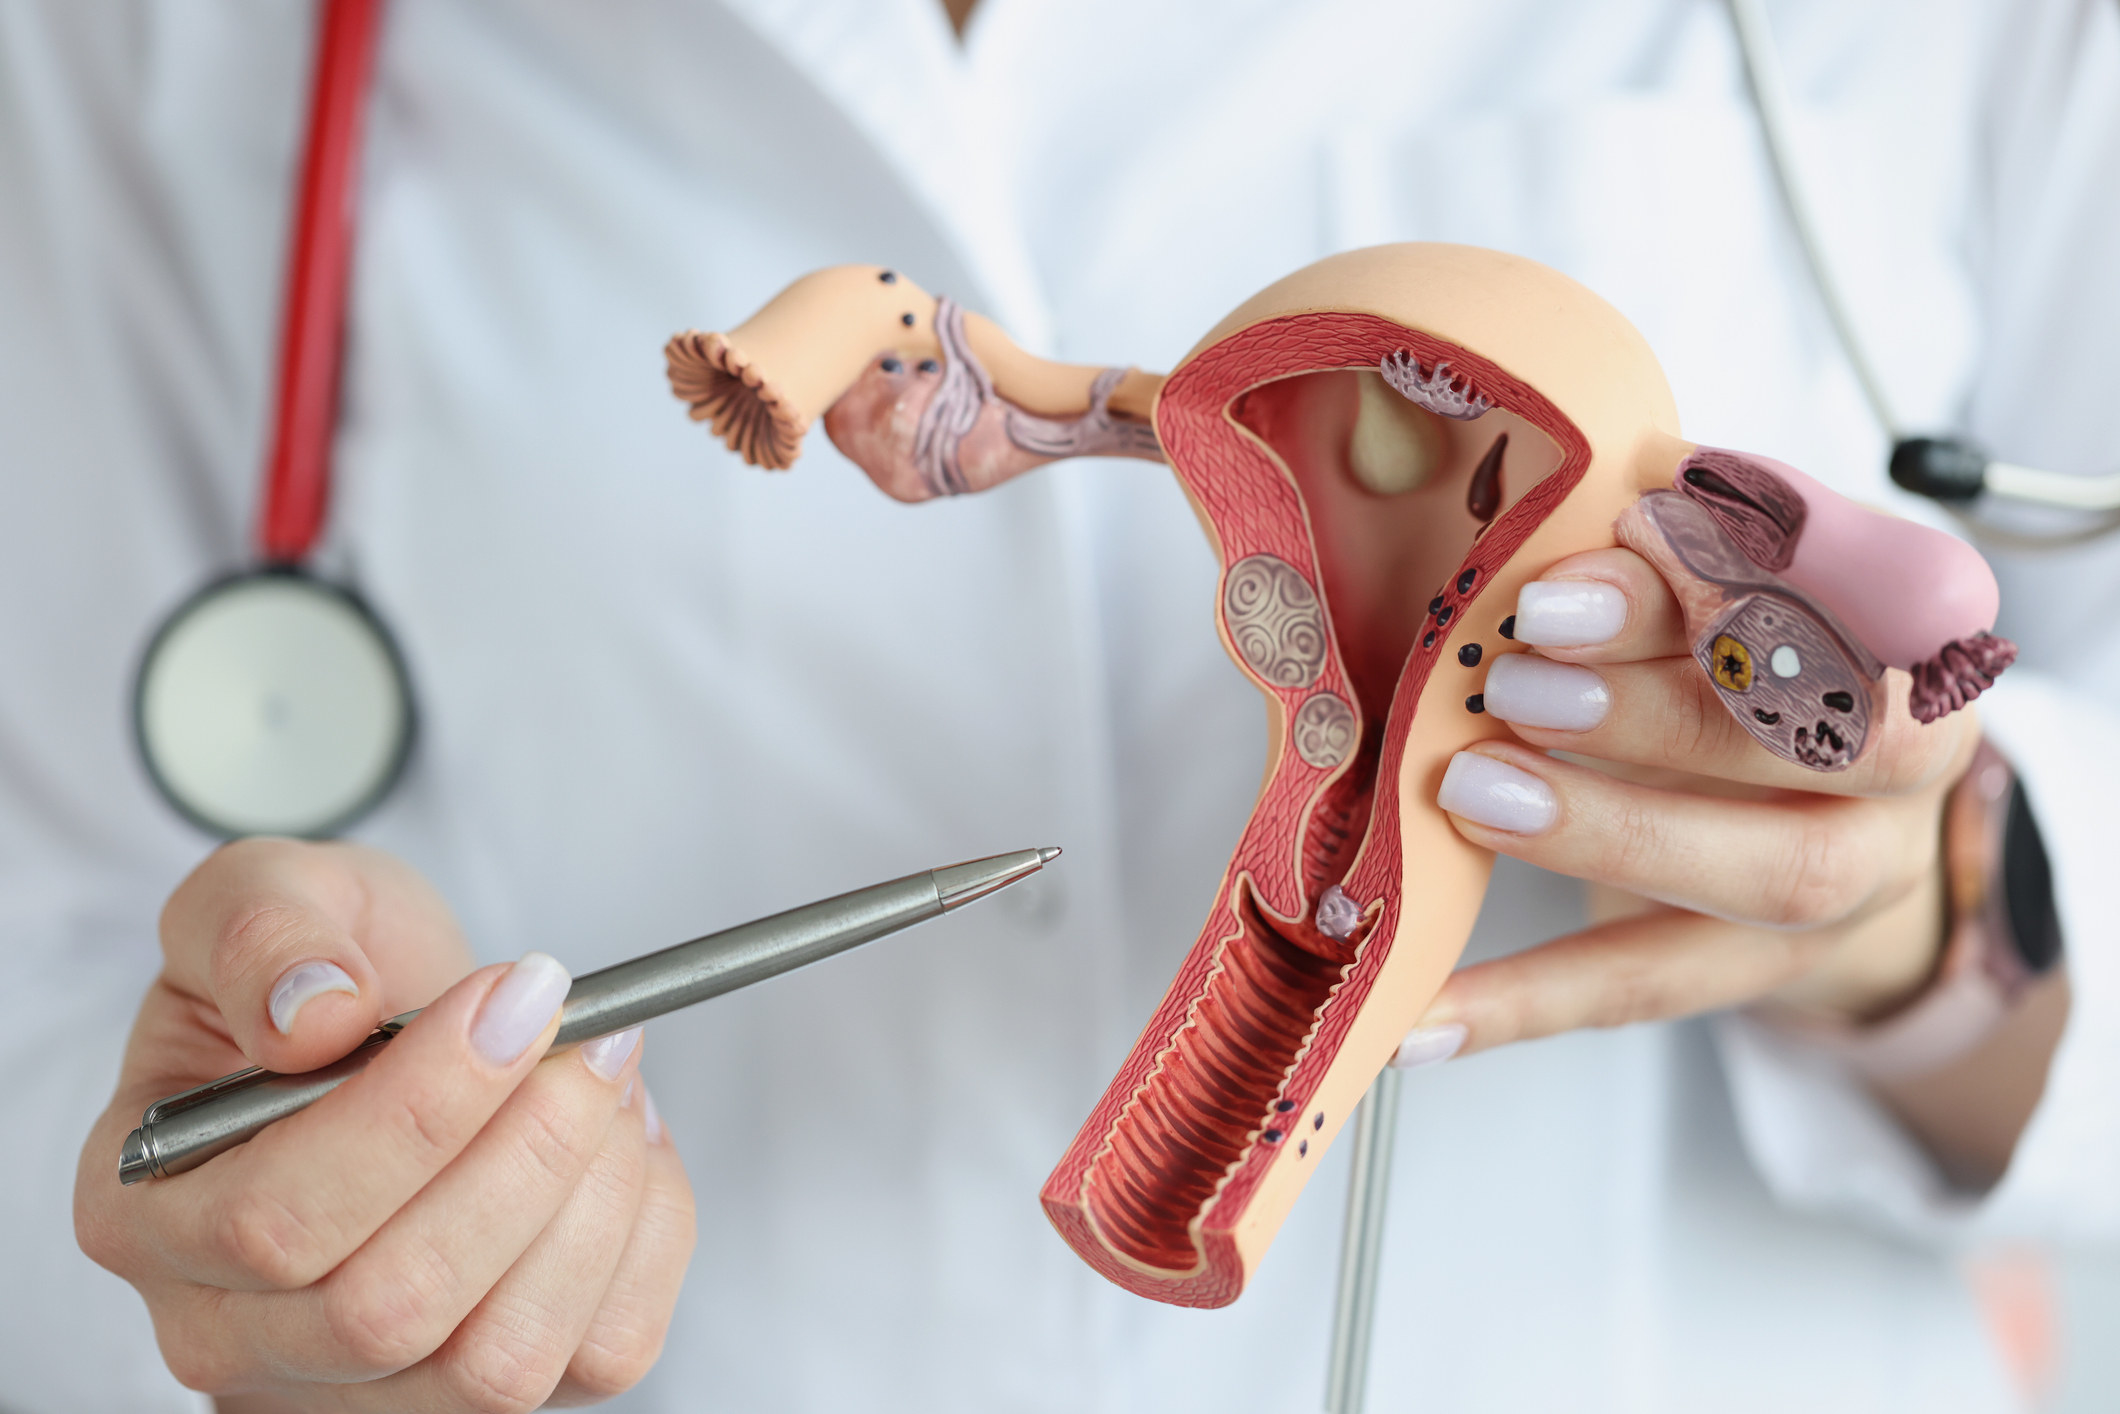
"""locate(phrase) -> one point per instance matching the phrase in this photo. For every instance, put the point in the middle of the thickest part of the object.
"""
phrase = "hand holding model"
(1824, 889)
(1751, 878)
(458, 1227)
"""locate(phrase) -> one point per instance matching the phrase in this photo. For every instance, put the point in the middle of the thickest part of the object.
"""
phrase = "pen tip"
(1048, 854)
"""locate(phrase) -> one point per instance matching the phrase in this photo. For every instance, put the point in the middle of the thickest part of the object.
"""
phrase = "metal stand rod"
(1354, 1313)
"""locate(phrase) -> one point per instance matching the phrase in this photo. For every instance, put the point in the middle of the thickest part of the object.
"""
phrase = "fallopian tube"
(1383, 449)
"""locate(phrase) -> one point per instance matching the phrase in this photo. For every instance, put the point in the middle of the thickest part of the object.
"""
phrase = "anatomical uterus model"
(1383, 448)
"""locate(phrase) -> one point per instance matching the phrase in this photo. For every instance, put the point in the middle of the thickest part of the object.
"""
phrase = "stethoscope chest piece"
(273, 703)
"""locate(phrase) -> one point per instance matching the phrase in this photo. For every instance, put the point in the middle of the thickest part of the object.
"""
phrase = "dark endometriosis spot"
(1483, 494)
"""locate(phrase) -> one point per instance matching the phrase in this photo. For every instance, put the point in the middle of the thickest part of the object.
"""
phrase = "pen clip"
(171, 1105)
(183, 1100)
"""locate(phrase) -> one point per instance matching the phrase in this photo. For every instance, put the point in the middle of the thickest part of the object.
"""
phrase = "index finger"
(286, 1208)
(1602, 606)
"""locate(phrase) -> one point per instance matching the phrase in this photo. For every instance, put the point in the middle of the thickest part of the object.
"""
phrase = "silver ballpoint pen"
(184, 1130)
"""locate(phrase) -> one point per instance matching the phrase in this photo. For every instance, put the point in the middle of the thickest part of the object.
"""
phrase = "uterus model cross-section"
(1383, 449)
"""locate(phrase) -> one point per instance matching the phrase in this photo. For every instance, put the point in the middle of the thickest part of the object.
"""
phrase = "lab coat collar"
(901, 77)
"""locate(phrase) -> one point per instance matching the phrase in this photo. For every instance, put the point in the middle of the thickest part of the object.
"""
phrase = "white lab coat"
(661, 692)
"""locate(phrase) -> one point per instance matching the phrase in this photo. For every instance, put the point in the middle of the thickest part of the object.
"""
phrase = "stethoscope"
(273, 701)
(1951, 470)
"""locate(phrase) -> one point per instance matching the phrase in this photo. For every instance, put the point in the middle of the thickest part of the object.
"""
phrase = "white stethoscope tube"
(1950, 470)
(2052, 488)
(1770, 100)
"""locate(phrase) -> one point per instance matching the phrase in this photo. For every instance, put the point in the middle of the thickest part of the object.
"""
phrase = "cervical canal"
(1216, 1085)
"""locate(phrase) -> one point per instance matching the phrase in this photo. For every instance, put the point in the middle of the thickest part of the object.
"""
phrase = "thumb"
(263, 934)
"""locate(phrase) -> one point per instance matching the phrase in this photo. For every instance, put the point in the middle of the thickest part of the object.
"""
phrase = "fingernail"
(625, 1096)
(1569, 613)
(606, 1055)
(1538, 692)
(299, 984)
(653, 1115)
(1429, 1045)
(518, 1007)
(1488, 792)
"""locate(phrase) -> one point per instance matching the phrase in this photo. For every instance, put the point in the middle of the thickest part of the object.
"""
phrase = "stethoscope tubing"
(298, 473)
(2097, 495)
(296, 496)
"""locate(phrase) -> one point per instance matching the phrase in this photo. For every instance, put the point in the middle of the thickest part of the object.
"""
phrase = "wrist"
(1889, 959)
(1998, 936)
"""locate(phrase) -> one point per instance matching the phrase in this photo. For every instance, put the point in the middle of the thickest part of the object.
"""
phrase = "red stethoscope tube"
(298, 476)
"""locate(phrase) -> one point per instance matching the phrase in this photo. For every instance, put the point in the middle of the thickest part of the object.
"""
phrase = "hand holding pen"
(456, 1227)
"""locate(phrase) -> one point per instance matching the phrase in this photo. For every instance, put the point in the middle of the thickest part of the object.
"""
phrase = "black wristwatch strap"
(2028, 888)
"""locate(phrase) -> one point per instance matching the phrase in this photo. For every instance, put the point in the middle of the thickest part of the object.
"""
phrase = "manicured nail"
(1429, 1045)
(518, 1007)
(606, 1055)
(652, 1114)
(625, 1096)
(299, 984)
(1569, 613)
(1491, 793)
(1538, 692)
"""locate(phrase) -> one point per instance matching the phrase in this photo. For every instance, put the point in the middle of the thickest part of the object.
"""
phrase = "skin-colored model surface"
(927, 399)
(1384, 449)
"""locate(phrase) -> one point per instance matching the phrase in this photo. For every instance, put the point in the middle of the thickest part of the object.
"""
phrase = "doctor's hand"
(1745, 877)
(458, 1227)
